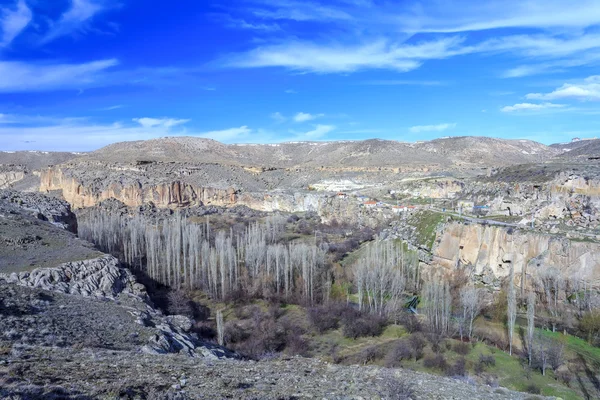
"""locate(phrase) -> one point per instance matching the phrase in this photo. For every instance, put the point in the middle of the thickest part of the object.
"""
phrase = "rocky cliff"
(137, 191)
(490, 250)
(8, 177)
(176, 193)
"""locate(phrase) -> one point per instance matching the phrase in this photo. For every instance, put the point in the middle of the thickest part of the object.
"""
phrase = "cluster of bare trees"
(182, 254)
(437, 306)
(382, 275)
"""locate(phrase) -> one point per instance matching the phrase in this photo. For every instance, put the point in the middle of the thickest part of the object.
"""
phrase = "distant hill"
(450, 152)
(582, 149)
(33, 160)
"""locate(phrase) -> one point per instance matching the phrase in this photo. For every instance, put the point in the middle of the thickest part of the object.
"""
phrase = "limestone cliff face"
(576, 185)
(9, 177)
(181, 194)
(171, 194)
(491, 250)
(441, 188)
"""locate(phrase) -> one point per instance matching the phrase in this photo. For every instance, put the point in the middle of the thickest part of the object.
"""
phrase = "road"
(479, 220)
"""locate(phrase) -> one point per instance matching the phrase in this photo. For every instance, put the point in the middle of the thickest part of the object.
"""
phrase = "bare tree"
(220, 328)
(556, 354)
(551, 283)
(511, 311)
(530, 324)
(542, 352)
(471, 303)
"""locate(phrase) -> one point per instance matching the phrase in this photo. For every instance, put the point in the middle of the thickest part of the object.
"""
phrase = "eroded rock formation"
(492, 249)
(100, 277)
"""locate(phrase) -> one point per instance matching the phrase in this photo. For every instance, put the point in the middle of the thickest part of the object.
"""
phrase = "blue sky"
(79, 74)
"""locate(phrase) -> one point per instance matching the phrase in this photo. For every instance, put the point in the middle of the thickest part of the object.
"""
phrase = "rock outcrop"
(100, 277)
(55, 211)
(103, 278)
(176, 193)
(8, 177)
(490, 250)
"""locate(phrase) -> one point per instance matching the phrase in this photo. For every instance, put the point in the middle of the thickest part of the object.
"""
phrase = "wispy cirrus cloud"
(298, 10)
(466, 16)
(110, 108)
(402, 82)
(318, 132)
(432, 128)
(76, 17)
(557, 36)
(278, 117)
(13, 20)
(160, 122)
(27, 77)
(523, 107)
(22, 132)
(588, 90)
(327, 58)
(303, 117)
(232, 22)
(227, 135)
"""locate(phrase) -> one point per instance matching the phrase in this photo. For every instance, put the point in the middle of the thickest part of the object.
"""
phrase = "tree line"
(182, 254)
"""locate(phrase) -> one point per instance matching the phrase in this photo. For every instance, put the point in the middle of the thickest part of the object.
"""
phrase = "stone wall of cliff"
(492, 249)
(7, 178)
(172, 194)
(179, 193)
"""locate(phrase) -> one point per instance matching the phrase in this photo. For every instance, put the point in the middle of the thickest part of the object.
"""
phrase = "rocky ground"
(44, 208)
(68, 373)
(31, 234)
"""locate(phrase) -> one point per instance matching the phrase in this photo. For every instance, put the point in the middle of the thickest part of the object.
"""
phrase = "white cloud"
(22, 77)
(73, 134)
(159, 122)
(466, 15)
(318, 132)
(530, 107)
(432, 128)
(559, 36)
(303, 117)
(402, 82)
(80, 134)
(278, 117)
(228, 135)
(110, 108)
(588, 90)
(379, 54)
(74, 18)
(362, 131)
(240, 23)
(299, 11)
(290, 91)
(13, 21)
(526, 70)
